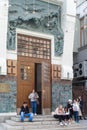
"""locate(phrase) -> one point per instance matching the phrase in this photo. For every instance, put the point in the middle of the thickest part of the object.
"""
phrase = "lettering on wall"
(4, 88)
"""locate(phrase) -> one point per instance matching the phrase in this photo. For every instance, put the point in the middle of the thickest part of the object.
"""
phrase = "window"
(83, 24)
(56, 70)
(33, 46)
(26, 72)
(83, 37)
(12, 67)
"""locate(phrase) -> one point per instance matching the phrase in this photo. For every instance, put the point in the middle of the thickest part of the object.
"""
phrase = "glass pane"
(33, 46)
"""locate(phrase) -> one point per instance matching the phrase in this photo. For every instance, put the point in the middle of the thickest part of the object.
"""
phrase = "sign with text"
(4, 88)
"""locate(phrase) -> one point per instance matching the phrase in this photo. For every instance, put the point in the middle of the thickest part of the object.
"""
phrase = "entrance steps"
(40, 122)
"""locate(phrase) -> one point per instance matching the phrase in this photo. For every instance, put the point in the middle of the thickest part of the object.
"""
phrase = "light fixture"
(28, 67)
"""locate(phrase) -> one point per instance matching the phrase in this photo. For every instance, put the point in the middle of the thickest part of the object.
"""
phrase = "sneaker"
(35, 114)
(61, 123)
(69, 123)
(65, 124)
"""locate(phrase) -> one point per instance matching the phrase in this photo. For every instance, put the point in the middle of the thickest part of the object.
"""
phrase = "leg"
(32, 105)
(22, 116)
(30, 116)
(77, 116)
(56, 116)
(35, 107)
(60, 118)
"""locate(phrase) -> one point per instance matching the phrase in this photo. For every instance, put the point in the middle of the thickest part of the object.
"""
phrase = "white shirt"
(33, 96)
(75, 107)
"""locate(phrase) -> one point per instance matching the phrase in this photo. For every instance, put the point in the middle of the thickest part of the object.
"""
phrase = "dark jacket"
(24, 109)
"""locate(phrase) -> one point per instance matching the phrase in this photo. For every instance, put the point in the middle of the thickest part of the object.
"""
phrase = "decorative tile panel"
(61, 92)
(39, 19)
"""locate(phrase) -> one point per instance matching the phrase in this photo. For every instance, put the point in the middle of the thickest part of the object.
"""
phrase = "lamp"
(28, 67)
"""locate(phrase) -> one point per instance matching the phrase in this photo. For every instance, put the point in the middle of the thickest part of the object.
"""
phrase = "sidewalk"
(83, 122)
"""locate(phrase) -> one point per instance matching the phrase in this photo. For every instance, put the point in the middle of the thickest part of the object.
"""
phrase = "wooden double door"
(34, 75)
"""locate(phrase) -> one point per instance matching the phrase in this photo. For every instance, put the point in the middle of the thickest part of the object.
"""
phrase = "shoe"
(69, 123)
(65, 124)
(35, 114)
(61, 123)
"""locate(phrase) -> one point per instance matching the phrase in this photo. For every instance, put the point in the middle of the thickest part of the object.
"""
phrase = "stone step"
(9, 127)
(36, 118)
(39, 116)
(42, 127)
(39, 123)
(44, 122)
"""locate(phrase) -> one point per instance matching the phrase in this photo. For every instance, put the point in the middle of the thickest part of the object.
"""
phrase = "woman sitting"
(60, 114)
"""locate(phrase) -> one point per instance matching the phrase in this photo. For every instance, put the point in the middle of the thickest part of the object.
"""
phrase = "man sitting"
(25, 112)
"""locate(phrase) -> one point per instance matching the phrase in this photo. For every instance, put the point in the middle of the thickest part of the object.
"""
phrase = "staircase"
(40, 122)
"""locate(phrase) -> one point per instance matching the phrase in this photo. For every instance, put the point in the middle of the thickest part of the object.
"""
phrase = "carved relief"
(11, 38)
(35, 17)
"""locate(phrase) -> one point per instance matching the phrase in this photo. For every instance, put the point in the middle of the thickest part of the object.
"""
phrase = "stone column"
(3, 34)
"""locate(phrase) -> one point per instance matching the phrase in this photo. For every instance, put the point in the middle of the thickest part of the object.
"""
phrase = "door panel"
(25, 81)
(46, 88)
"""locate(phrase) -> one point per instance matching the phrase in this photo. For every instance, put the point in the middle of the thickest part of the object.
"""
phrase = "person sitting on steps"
(60, 114)
(24, 112)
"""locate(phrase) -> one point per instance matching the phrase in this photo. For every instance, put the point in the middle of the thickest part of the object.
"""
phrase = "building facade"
(80, 52)
(37, 39)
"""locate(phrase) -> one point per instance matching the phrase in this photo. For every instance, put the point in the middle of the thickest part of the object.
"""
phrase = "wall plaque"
(4, 88)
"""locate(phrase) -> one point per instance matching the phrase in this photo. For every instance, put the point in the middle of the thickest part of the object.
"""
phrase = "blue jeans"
(29, 115)
(76, 116)
(34, 106)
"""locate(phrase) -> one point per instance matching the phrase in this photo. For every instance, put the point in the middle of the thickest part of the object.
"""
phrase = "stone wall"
(8, 97)
(61, 93)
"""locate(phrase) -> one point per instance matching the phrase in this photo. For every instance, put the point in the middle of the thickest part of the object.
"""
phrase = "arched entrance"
(34, 70)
